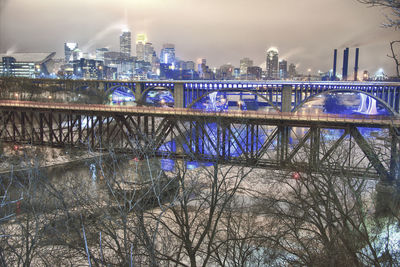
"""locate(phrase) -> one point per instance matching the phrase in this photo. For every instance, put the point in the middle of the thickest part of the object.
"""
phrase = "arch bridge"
(286, 96)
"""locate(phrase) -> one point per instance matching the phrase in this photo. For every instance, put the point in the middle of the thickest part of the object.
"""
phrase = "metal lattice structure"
(276, 141)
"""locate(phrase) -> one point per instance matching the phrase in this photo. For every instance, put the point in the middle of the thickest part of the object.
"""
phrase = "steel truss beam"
(247, 142)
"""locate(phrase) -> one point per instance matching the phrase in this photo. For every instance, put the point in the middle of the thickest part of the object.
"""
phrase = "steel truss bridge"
(286, 96)
(269, 140)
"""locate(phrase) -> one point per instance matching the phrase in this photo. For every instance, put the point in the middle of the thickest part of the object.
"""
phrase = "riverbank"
(19, 158)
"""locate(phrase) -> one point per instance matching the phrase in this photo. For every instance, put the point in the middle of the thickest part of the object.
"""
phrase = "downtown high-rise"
(125, 43)
(272, 63)
(69, 48)
(167, 55)
(245, 63)
(141, 40)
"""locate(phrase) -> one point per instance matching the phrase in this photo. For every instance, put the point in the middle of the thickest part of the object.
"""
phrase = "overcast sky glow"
(222, 31)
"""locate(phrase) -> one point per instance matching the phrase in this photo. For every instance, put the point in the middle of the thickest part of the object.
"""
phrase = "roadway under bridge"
(285, 96)
(276, 140)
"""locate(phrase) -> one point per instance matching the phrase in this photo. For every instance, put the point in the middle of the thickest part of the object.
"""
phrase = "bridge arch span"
(311, 97)
(115, 87)
(157, 88)
(234, 90)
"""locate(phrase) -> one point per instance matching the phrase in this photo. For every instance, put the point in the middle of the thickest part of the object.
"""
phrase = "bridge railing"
(364, 119)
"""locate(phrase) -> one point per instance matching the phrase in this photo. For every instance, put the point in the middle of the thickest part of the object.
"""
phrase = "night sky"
(222, 31)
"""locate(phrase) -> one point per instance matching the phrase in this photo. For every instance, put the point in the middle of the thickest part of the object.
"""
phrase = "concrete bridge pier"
(178, 96)
(100, 86)
(314, 148)
(283, 144)
(286, 100)
(388, 191)
(138, 93)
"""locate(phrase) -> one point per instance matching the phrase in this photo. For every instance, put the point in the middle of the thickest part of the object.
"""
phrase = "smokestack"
(356, 64)
(345, 64)
(334, 65)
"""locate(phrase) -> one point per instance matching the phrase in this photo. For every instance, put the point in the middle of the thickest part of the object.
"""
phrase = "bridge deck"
(321, 119)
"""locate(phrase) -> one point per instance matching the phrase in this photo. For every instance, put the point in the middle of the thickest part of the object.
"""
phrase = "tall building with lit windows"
(272, 63)
(148, 52)
(244, 64)
(292, 71)
(141, 40)
(125, 43)
(68, 50)
(283, 71)
(167, 55)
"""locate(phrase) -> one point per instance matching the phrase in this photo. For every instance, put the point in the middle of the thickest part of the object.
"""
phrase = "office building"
(148, 52)
(76, 55)
(88, 69)
(68, 50)
(292, 71)
(189, 65)
(283, 71)
(167, 55)
(272, 63)
(122, 62)
(244, 64)
(125, 43)
(225, 72)
(100, 53)
(141, 40)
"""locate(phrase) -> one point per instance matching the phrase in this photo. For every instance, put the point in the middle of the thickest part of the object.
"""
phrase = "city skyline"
(226, 42)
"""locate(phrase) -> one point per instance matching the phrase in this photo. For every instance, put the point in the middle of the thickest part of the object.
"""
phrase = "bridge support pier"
(286, 100)
(178, 95)
(388, 192)
(100, 86)
(314, 148)
(138, 92)
(283, 144)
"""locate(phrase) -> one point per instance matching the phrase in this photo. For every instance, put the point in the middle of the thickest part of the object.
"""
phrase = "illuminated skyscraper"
(272, 63)
(282, 69)
(292, 71)
(125, 43)
(244, 64)
(68, 49)
(141, 40)
(148, 52)
(167, 55)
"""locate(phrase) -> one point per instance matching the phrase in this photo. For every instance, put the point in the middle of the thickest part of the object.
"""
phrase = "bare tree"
(197, 217)
(393, 21)
(328, 219)
(394, 55)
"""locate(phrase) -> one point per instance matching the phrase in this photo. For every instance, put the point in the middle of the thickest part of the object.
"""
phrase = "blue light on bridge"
(160, 98)
(120, 95)
(207, 138)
